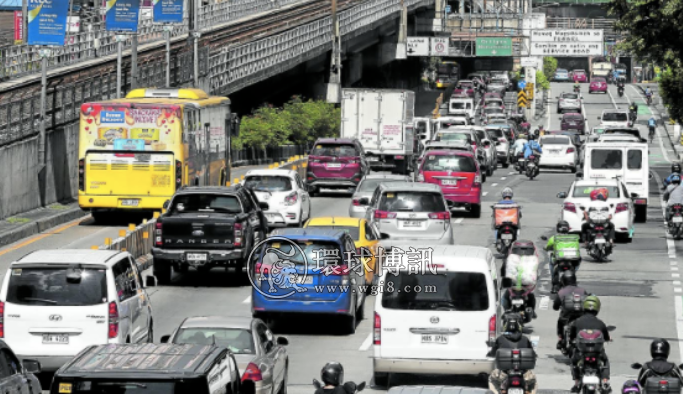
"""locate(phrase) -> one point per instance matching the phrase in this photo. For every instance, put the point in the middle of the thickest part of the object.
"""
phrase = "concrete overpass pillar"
(386, 50)
(353, 72)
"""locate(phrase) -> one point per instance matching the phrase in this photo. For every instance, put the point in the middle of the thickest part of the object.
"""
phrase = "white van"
(463, 106)
(55, 303)
(445, 122)
(626, 161)
(437, 324)
(616, 117)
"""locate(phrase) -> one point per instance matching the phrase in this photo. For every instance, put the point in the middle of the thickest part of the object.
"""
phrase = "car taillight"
(385, 215)
(238, 234)
(492, 328)
(569, 207)
(570, 150)
(501, 140)
(621, 207)
(378, 330)
(253, 373)
(440, 215)
(399, 157)
(113, 320)
(341, 270)
(81, 175)
(158, 233)
(291, 199)
(477, 181)
(178, 174)
(2, 319)
(356, 202)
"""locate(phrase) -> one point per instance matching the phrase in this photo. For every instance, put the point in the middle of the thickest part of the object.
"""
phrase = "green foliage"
(297, 123)
(549, 67)
(541, 81)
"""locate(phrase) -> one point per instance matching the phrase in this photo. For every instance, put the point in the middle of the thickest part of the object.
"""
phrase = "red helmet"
(599, 194)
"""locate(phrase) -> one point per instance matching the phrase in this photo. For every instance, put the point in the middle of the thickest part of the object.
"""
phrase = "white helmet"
(507, 192)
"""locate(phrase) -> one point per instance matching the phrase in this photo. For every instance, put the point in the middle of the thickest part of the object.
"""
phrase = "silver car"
(489, 146)
(495, 133)
(365, 189)
(261, 358)
(570, 102)
(411, 211)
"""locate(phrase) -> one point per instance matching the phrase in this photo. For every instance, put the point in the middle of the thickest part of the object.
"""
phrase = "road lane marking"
(677, 283)
(458, 220)
(674, 268)
(511, 173)
(679, 322)
(43, 235)
(535, 339)
(545, 301)
(366, 343)
(612, 98)
(484, 194)
(675, 275)
(494, 184)
(247, 300)
(503, 178)
(678, 290)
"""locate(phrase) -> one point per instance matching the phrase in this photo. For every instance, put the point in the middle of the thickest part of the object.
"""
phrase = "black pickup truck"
(206, 227)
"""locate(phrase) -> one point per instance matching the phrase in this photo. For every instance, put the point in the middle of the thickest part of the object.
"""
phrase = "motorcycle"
(590, 344)
(577, 89)
(676, 222)
(598, 245)
(575, 304)
(519, 299)
(532, 167)
(515, 363)
(356, 388)
(660, 384)
(649, 99)
(620, 90)
(559, 267)
(520, 164)
(506, 224)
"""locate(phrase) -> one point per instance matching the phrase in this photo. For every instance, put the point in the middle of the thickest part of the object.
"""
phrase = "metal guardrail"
(580, 23)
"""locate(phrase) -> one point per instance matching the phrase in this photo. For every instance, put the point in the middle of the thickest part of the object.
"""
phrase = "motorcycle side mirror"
(361, 386)
(638, 365)
(583, 208)
(611, 328)
(680, 366)
(579, 174)
(317, 384)
(543, 237)
(598, 118)
(562, 195)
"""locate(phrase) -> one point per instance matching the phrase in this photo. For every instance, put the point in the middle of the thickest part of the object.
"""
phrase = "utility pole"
(134, 62)
(24, 22)
(196, 34)
(334, 87)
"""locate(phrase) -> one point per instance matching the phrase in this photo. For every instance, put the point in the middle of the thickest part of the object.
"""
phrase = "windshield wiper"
(39, 300)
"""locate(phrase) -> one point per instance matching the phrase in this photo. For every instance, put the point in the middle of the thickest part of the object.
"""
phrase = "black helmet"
(332, 374)
(568, 278)
(676, 167)
(660, 348)
(513, 323)
(562, 227)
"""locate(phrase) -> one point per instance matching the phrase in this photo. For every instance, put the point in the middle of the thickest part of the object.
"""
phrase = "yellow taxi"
(361, 232)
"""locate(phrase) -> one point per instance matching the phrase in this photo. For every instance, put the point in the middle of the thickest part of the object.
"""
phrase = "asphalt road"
(639, 288)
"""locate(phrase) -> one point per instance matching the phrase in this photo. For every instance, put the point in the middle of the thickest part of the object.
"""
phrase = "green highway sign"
(494, 46)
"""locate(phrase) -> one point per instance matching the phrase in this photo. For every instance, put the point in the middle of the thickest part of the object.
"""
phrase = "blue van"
(325, 281)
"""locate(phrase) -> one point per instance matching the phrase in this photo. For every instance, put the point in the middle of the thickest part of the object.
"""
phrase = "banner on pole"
(47, 22)
(122, 15)
(18, 27)
(168, 11)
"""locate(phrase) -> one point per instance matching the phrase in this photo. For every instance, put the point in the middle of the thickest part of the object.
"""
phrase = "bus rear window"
(606, 159)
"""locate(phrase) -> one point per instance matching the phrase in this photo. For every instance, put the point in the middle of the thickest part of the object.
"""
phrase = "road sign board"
(531, 62)
(522, 102)
(521, 84)
(494, 46)
(417, 46)
(567, 36)
(439, 46)
(448, 9)
(521, 94)
(530, 90)
(566, 49)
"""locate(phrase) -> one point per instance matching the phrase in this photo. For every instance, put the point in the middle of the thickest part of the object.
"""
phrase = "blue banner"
(120, 144)
(122, 15)
(47, 22)
(112, 117)
(168, 11)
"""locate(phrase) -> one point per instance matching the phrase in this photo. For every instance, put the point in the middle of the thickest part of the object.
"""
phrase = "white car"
(558, 152)
(55, 303)
(285, 193)
(578, 198)
(444, 331)
(615, 117)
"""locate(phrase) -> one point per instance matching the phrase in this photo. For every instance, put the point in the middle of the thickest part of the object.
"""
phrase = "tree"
(541, 81)
(549, 67)
(265, 127)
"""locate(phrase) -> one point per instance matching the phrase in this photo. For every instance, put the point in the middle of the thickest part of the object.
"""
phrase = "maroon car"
(598, 84)
(579, 76)
(573, 121)
(335, 163)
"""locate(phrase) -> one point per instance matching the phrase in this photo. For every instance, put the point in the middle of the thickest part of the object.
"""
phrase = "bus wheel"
(98, 216)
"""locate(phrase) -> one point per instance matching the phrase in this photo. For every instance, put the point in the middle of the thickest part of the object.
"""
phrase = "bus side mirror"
(166, 204)
(234, 125)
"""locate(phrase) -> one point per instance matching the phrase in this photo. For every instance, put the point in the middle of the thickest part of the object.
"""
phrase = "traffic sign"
(530, 90)
(522, 99)
(448, 9)
(417, 46)
(521, 84)
(439, 46)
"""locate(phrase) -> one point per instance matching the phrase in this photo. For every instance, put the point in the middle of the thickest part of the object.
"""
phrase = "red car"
(579, 76)
(598, 84)
(464, 87)
(458, 175)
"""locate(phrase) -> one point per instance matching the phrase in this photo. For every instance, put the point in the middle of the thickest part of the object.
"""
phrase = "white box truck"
(382, 120)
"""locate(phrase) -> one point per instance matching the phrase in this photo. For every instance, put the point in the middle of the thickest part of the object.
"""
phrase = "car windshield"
(369, 185)
(206, 203)
(314, 250)
(606, 159)
(238, 341)
(585, 191)
(453, 137)
(459, 105)
(481, 134)
(495, 110)
(335, 150)
(458, 291)
(129, 387)
(50, 286)
(602, 80)
(615, 117)
(405, 201)
(579, 72)
(560, 71)
(570, 96)
(269, 183)
(354, 232)
(574, 118)
(554, 141)
(449, 163)
(496, 133)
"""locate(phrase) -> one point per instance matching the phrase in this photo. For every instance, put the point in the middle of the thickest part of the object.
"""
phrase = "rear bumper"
(445, 239)
(283, 218)
(48, 363)
(427, 366)
(337, 182)
(335, 306)
(473, 197)
(114, 202)
(214, 256)
(557, 161)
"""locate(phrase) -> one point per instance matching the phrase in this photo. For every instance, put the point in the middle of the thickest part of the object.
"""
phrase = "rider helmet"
(512, 323)
(676, 167)
(562, 227)
(675, 179)
(601, 194)
(568, 279)
(507, 193)
(660, 348)
(631, 387)
(332, 374)
(591, 305)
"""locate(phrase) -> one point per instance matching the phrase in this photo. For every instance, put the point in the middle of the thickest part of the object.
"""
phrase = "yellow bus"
(134, 153)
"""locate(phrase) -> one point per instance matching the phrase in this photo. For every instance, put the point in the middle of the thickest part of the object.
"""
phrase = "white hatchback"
(55, 303)
(558, 152)
(427, 323)
(285, 193)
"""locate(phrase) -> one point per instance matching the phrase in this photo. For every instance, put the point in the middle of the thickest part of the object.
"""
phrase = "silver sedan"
(261, 358)
(365, 189)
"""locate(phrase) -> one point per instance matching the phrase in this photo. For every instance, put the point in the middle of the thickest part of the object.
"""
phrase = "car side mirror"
(264, 206)
(165, 338)
(579, 174)
(634, 195)
(31, 366)
(166, 204)
(360, 387)
(562, 195)
(543, 237)
(317, 384)
(282, 341)
(383, 236)
(150, 281)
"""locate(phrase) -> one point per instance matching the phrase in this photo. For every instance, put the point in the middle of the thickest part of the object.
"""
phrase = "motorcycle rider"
(577, 87)
(332, 376)
(520, 248)
(648, 93)
(569, 287)
(675, 170)
(512, 338)
(563, 229)
(633, 108)
(589, 321)
(673, 195)
(598, 204)
(507, 195)
(659, 366)
(620, 84)
(532, 147)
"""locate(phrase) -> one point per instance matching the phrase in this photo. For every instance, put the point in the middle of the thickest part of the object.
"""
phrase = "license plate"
(449, 182)
(554, 152)
(515, 391)
(568, 253)
(600, 241)
(130, 203)
(409, 223)
(62, 339)
(334, 165)
(439, 339)
(197, 257)
(506, 236)
(591, 380)
(373, 158)
(678, 219)
(517, 302)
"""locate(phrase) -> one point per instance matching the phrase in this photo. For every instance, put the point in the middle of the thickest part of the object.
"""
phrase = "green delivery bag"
(567, 247)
